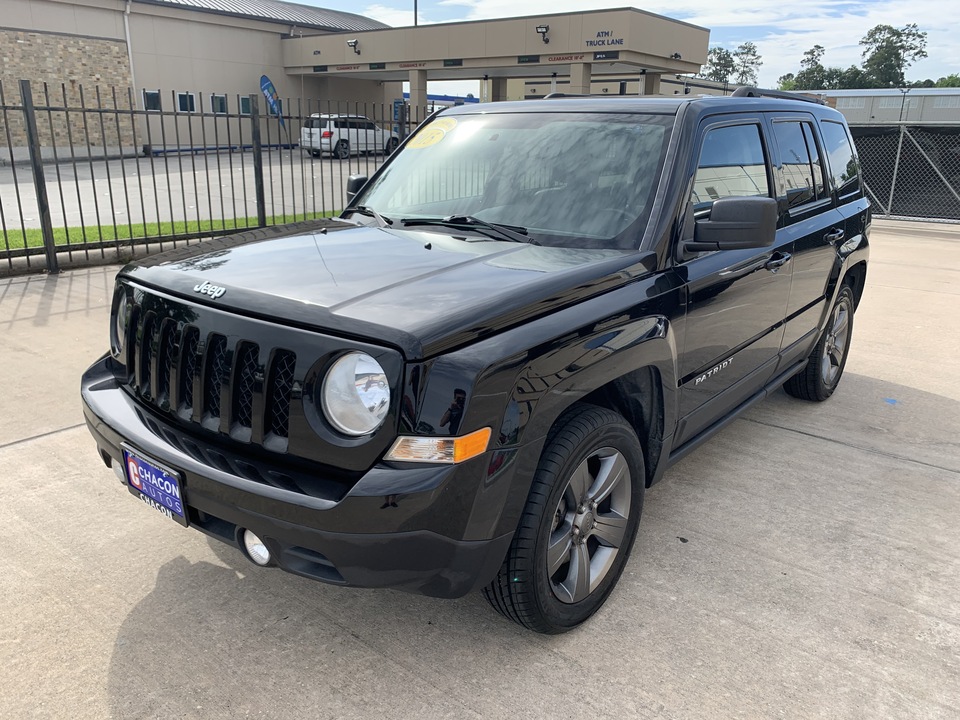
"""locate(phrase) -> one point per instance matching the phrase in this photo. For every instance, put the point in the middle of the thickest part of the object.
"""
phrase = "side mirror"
(736, 223)
(355, 184)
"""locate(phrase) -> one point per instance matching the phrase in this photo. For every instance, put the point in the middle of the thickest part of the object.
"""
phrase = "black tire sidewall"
(620, 436)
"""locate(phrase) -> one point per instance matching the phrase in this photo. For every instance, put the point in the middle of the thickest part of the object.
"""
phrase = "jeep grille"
(210, 378)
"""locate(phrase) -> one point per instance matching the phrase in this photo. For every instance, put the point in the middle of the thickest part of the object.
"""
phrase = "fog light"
(256, 550)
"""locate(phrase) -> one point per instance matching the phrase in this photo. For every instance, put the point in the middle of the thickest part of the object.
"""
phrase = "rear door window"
(800, 164)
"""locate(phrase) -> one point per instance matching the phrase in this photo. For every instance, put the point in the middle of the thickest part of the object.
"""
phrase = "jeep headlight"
(355, 394)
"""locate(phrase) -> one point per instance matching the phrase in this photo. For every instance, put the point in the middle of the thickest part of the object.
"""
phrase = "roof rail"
(555, 95)
(747, 91)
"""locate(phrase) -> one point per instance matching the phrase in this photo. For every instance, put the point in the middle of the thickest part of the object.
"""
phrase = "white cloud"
(394, 17)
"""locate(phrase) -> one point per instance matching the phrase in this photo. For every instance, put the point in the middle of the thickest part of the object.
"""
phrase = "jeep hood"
(422, 291)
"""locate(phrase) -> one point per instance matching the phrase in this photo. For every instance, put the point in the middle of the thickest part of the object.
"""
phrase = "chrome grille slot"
(145, 350)
(166, 351)
(244, 379)
(216, 372)
(279, 389)
(188, 368)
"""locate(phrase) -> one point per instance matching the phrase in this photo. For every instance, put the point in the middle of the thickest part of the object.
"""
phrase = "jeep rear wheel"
(578, 525)
(821, 375)
(342, 150)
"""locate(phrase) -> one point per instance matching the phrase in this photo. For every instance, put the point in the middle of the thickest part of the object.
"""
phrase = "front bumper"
(395, 527)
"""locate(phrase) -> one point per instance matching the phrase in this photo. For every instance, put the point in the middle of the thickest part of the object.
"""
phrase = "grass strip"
(78, 235)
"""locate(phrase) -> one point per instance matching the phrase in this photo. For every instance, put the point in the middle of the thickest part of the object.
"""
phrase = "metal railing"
(86, 174)
(911, 171)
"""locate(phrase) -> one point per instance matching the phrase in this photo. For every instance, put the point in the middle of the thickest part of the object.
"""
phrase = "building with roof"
(174, 49)
(208, 56)
(883, 106)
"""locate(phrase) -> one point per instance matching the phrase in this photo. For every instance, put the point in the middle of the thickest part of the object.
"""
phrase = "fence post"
(36, 164)
(258, 162)
(402, 121)
(896, 170)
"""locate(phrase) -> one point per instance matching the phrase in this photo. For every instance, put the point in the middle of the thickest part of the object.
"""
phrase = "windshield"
(569, 179)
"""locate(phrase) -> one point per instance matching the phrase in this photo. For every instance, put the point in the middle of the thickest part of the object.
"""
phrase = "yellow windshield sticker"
(433, 133)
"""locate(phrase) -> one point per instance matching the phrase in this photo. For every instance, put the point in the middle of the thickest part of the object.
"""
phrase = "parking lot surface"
(804, 563)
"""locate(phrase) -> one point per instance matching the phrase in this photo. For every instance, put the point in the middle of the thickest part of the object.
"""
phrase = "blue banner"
(273, 100)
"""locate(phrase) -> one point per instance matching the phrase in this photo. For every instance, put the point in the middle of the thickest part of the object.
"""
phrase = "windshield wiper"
(513, 233)
(370, 212)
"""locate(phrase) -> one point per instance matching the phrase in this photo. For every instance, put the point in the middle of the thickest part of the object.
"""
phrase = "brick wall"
(66, 63)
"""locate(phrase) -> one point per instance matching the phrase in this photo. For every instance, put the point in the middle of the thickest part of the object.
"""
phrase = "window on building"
(851, 103)
(218, 104)
(186, 102)
(946, 102)
(151, 100)
(244, 104)
(889, 102)
(843, 161)
(731, 165)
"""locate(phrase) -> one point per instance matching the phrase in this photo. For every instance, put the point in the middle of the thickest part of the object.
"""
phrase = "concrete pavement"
(805, 563)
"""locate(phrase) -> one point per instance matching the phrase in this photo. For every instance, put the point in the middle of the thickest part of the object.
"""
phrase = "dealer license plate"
(157, 486)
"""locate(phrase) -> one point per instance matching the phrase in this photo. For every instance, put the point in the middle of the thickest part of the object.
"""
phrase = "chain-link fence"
(911, 171)
(87, 174)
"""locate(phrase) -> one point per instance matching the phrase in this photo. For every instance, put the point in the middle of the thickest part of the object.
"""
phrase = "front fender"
(520, 381)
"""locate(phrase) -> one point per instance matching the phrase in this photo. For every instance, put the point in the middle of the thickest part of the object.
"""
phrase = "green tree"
(949, 81)
(746, 62)
(787, 82)
(719, 66)
(889, 51)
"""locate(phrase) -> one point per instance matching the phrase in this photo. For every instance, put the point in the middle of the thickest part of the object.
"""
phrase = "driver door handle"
(778, 260)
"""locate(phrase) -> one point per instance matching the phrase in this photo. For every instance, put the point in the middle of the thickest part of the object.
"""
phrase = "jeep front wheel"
(578, 525)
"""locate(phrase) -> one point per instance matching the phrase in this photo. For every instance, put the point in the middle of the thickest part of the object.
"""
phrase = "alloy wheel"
(589, 525)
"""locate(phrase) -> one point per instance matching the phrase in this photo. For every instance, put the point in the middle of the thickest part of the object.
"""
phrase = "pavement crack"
(875, 451)
(12, 443)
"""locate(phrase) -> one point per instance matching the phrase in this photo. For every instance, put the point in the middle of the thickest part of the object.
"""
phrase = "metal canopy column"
(418, 92)
(580, 79)
(651, 83)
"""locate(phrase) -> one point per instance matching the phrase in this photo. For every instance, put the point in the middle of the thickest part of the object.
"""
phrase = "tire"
(390, 146)
(824, 368)
(342, 150)
(586, 447)
(316, 153)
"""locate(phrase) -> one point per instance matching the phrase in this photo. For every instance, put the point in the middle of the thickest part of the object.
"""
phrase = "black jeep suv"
(469, 378)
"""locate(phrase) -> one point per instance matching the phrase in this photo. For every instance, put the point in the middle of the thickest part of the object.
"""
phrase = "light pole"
(414, 13)
(903, 101)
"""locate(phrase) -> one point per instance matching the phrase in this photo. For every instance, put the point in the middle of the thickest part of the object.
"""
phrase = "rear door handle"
(834, 236)
(777, 261)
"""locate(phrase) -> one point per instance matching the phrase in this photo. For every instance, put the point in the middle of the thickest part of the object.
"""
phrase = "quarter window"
(731, 165)
(844, 168)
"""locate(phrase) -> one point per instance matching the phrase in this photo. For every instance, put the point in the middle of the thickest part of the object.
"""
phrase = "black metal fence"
(87, 174)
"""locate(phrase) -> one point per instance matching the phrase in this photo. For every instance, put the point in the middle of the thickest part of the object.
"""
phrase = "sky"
(782, 31)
